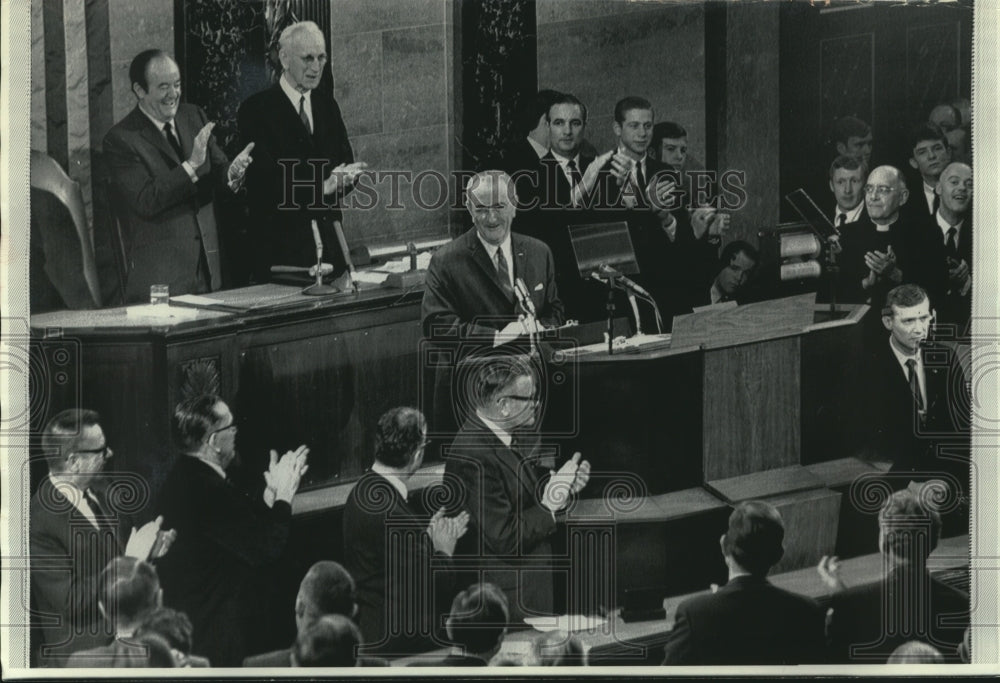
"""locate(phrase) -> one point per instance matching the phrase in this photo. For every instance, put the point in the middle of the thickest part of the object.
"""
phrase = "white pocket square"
(539, 287)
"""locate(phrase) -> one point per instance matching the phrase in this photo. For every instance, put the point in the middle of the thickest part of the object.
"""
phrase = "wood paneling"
(751, 408)
(810, 519)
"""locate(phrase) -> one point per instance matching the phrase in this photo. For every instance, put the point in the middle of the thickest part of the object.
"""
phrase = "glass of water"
(159, 295)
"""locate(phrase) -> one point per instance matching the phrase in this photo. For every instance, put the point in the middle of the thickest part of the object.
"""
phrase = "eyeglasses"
(103, 451)
(879, 190)
(231, 425)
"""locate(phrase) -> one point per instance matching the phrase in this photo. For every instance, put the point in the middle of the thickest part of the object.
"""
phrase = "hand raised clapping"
(569, 480)
(445, 531)
(284, 476)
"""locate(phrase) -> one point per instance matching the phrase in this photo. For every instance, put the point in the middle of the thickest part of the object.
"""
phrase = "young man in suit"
(399, 561)
(870, 621)
(954, 221)
(929, 154)
(73, 523)
(226, 540)
(512, 512)
(165, 169)
(304, 163)
(748, 620)
(847, 182)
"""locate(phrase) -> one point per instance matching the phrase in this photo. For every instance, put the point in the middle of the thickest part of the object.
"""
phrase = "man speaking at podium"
(304, 163)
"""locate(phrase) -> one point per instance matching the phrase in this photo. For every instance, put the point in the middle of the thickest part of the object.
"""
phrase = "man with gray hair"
(303, 161)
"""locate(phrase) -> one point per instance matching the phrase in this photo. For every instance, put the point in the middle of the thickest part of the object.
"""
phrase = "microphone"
(629, 284)
(523, 297)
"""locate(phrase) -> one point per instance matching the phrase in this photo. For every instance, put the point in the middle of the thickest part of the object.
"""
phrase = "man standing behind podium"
(304, 161)
(164, 168)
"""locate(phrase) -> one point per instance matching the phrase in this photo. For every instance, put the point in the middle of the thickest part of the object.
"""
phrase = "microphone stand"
(611, 313)
(318, 288)
(832, 269)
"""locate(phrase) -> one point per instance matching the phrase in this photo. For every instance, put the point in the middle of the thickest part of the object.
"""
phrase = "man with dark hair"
(73, 523)
(331, 640)
(736, 267)
(477, 625)
(522, 157)
(847, 182)
(870, 621)
(748, 620)
(175, 628)
(884, 250)
(130, 591)
(165, 168)
(301, 147)
(398, 559)
(914, 395)
(326, 588)
(226, 540)
(512, 512)
(852, 137)
(953, 220)
(929, 154)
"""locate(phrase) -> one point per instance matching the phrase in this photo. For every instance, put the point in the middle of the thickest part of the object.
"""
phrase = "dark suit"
(870, 621)
(119, 654)
(67, 554)
(546, 213)
(462, 293)
(283, 236)
(225, 544)
(918, 256)
(954, 308)
(168, 222)
(748, 621)
(454, 660)
(509, 529)
(280, 659)
(402, 584)
(520, 157)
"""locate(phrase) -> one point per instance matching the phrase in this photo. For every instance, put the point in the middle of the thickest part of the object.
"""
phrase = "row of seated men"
(503, 513)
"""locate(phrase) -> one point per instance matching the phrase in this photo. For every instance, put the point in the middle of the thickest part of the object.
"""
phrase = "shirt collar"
(294, 95)
(902, 357)
(564, 162)
(539, 150)
(389, 475)
(215, 466)
(946, 226)
(74, 494)
(491, 249)
(157, 122)
(714, 295)
(505, 438)
(849, 216)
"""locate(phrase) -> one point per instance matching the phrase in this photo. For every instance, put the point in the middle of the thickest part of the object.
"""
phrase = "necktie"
(172, 139)
(911, 374)
(841, 219)
(935, 204)
(950, 244)
(640, 177)
(503, 274)
(574, 173)
(303, 115)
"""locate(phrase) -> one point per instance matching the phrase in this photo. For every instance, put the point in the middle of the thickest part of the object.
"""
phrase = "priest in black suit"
(749, 620)
(73, 534)
(885, 250)
(399, 560)
(165, 169)
(512, 501)
(303, 161)
(953, 222)
(226, 540)
(917, 416)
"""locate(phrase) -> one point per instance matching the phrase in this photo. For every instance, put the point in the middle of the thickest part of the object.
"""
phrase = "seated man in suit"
(476, 625)
(165, 168)
(522, 157)
(847, 182)
(954, 220)
(71, 521)
(929, 154)
(884, 250)
(399, 560)
(870, 621)
(331, 640)
(748, 620)
(175, 628)
(226, 539)
(512, 513)
(914, 402)
(130, 591)
(304, 161)
(326, 588)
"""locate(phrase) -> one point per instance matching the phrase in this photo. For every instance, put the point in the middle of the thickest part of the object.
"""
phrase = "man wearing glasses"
(74, 533)
(226, 539)
(883, 250)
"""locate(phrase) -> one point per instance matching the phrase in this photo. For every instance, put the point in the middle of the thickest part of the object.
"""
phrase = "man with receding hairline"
(953, 225)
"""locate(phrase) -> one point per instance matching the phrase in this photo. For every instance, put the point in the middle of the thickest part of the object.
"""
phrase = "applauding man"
(225, 538)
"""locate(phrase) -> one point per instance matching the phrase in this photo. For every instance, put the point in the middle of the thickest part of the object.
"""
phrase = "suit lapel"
(482, 259)
(153, 135)
(523, 267)
(187, 129)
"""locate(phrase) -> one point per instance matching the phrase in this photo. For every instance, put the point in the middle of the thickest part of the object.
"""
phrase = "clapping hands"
(445, 531)
(142, 543)
(829, 572)
(284, 476)
(343, 176)
(709, 220)
(569, 480)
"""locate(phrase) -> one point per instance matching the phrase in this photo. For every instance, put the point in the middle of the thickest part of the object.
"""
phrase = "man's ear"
(887, 322)
(831, 186)
(159, 597)
(913, 163)
(904, 195)
(354, 610)
(616, 128)
(138, 91)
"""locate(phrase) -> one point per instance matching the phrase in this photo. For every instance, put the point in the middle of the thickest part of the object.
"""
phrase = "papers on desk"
(161, 312)
(372, 277)
(567, 622)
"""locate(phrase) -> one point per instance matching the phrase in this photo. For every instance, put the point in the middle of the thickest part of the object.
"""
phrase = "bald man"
(885, 249)
(952, 224)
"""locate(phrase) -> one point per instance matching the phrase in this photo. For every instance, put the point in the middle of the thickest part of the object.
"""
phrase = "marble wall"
(393, 66)
(603, 50)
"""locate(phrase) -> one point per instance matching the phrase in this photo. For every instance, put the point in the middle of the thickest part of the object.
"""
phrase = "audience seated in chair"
(175, 628)
(477, 625)
(331, 640)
